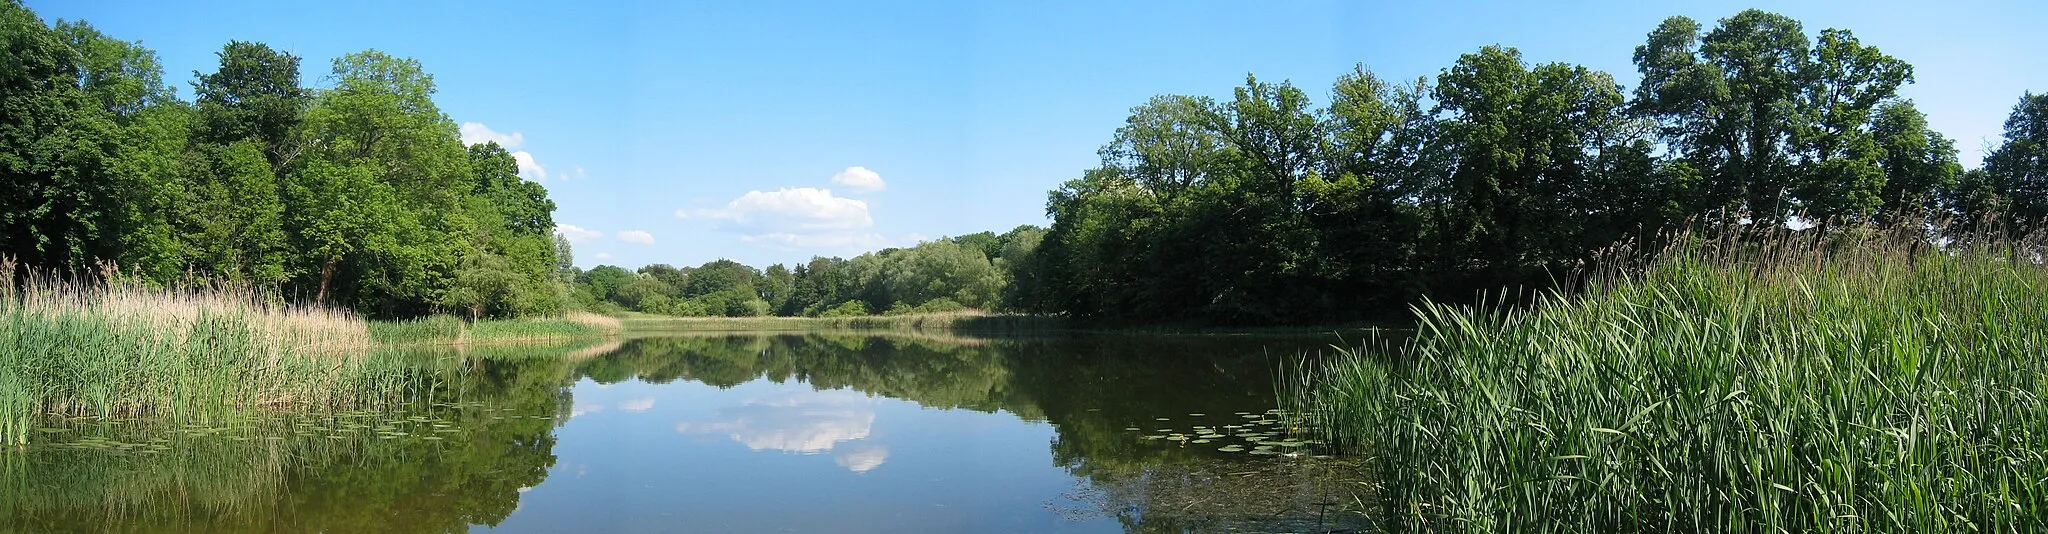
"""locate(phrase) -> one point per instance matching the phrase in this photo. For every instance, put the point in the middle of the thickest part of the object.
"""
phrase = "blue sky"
(682, 132)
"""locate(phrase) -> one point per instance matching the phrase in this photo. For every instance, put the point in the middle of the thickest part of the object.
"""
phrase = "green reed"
(72, 348)
(1868, 383)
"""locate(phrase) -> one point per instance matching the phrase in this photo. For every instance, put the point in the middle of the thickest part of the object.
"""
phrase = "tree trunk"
(326, 275)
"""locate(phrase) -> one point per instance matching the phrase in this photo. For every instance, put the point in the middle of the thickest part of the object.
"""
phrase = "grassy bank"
(1873, 384)
(69, 349)
(448, 330)
(966, 321)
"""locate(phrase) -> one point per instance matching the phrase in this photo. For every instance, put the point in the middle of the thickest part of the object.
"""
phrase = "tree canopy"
(359, 195)
(1496, 173)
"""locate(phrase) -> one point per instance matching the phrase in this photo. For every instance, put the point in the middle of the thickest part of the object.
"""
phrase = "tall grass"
(71, 348)
(1872, 383)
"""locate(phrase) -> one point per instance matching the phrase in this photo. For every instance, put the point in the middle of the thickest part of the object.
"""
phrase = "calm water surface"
(730, 433)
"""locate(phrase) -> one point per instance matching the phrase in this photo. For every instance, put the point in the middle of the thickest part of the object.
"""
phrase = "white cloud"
(827, 240)
(577, 233)
(576, 173)
(585, 409)
(603, 256)
(637, 405)
(476, 133)
(788, 209)
(528, 168)
(860, 179)
(637, 236)
(802, 422)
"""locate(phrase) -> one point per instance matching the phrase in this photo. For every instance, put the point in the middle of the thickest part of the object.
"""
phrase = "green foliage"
(604, 280)
(1495, 173)
(2017, 172)
(361, 194)
(976, 271)
(851, 308)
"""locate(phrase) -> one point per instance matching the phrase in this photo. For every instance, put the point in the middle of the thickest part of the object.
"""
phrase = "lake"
(733, 433)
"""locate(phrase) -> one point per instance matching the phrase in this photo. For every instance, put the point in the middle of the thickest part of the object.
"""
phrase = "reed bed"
(449, 330)
(1868, 383)
(99, 349)
(974, 321)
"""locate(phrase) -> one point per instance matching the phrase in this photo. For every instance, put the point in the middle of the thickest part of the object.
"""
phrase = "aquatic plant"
(1869, 382)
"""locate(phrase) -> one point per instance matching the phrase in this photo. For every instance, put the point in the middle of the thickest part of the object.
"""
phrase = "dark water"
(790, 433)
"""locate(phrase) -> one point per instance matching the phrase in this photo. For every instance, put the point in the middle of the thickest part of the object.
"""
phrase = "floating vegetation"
(1268, 431)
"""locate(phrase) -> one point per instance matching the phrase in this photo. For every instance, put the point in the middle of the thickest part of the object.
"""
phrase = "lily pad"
(1231, 448)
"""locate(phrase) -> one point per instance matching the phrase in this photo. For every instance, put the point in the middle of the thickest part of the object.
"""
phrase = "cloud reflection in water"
(810, 422)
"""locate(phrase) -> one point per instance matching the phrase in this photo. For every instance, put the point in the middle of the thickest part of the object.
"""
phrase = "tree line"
(1265, 208)
(984, 271)
(358, 194)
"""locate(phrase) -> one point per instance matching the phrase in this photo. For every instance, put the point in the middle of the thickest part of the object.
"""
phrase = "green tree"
(675, 278)
(1918, 163)
(56, 205)
(605, 280)
(720, 276)
(380, 127)
(1843, 175)
(1725, 101)
(645, 293)
(2018, 170)
(235, 218)
(1527, 143)
(255, 94)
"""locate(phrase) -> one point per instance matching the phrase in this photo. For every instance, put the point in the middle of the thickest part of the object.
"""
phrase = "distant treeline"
(360, 194)
(983, 271)
(1262, 208)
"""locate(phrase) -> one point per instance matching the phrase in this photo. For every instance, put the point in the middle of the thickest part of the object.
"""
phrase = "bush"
(851, 308)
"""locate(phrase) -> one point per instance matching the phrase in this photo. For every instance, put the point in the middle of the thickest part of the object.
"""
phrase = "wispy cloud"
(636, 236)
(637, 405)
(577, 233)
(860, 179)
(474, 133)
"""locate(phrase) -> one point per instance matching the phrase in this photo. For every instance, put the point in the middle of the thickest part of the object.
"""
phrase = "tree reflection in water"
(501, 406)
